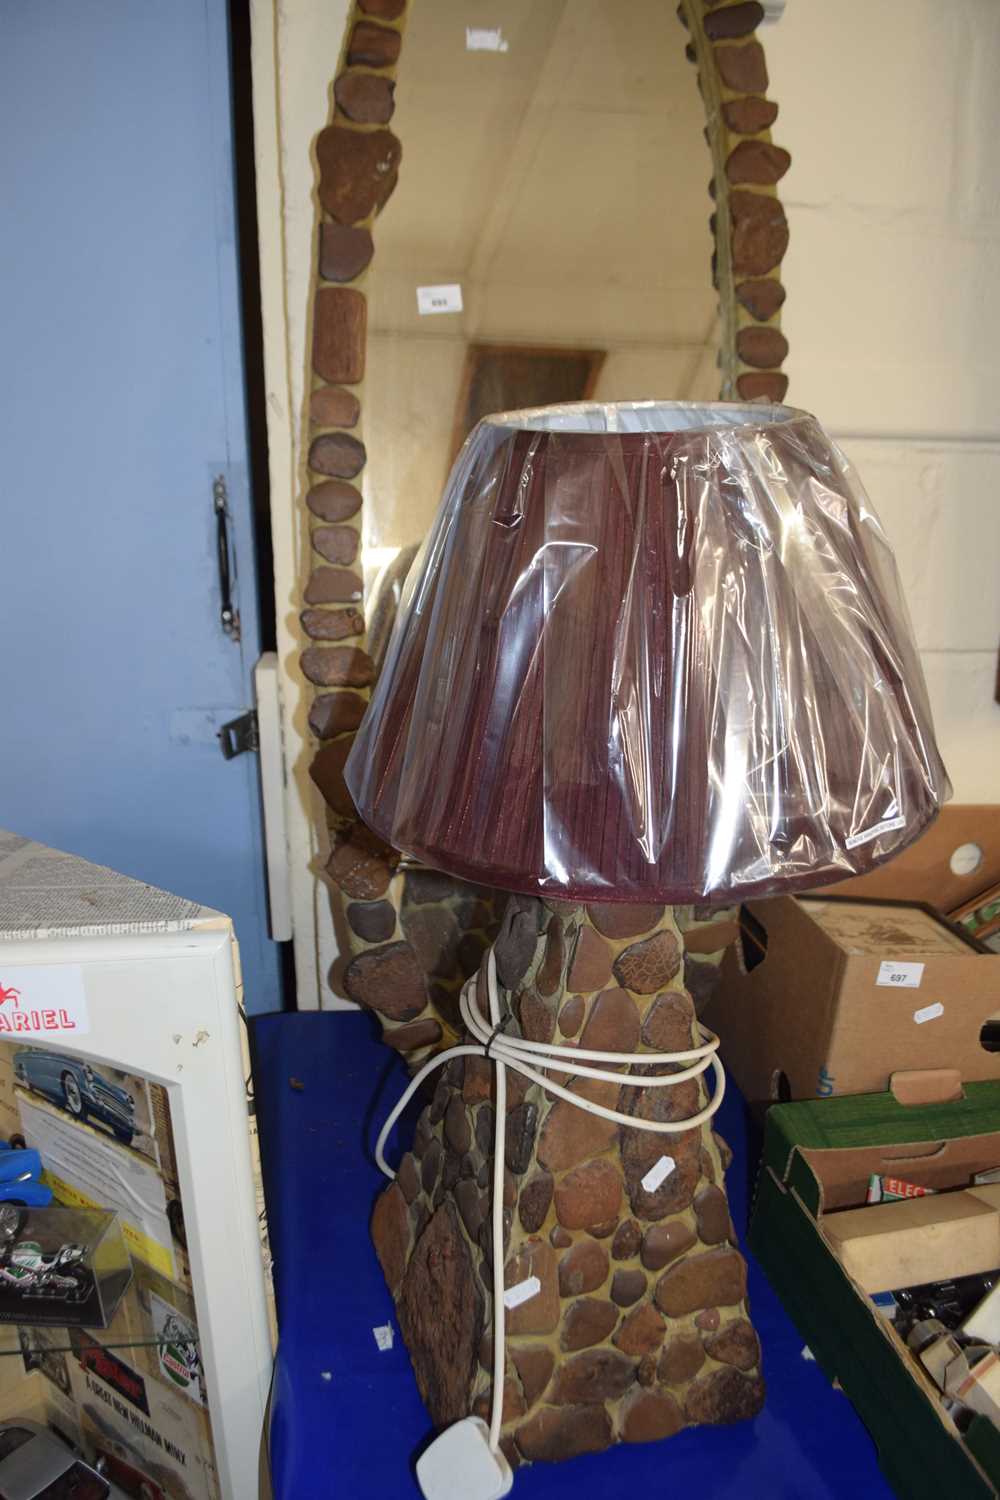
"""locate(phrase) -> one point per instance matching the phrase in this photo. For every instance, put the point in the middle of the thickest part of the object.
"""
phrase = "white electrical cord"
(514, 1052)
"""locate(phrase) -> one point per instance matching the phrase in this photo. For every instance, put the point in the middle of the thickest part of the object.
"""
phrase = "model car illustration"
(78, 1088)
(35, 1465)
(115, 1462)
(62, 1276)
(21, 1184)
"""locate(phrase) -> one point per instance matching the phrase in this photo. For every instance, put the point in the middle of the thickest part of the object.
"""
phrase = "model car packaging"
(127, 1384)
(887, 1189)
(823, 996)
(62, 1266)
(829, 1254)
(131, 1395)
(107, 986)
(104, 1140)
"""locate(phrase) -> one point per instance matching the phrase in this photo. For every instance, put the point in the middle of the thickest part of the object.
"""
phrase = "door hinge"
(239, 735)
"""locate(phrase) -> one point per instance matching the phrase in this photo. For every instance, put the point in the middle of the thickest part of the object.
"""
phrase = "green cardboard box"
(818, 1156)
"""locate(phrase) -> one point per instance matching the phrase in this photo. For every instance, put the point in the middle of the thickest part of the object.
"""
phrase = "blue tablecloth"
(346, 1418)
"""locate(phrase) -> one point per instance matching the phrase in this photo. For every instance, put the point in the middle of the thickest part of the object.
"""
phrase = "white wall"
(893, 310)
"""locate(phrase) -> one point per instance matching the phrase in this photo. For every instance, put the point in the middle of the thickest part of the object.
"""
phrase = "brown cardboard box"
(824, 996)
(981, 1388)
(818, 1157)
(940, 866)
(888, 1245)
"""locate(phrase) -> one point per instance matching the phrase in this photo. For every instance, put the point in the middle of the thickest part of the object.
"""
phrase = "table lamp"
(654, 658)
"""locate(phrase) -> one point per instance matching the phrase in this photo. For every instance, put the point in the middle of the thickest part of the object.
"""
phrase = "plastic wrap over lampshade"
(651, 652)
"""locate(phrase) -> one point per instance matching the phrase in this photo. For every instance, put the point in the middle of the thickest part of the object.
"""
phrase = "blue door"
(122, 414)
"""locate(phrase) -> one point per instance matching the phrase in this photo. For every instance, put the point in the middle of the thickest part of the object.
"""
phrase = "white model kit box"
(123, 1062)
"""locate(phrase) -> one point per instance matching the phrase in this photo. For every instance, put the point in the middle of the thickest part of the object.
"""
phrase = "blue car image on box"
(21, 1186)
(77, 1088)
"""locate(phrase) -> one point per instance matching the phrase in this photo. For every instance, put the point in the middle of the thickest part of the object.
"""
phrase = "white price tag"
(523, 1292)
(485, 39)
(887, 825)
(900, 976)
(928, 1013)
(658, 1172)
(439, 299)
(384, 1338)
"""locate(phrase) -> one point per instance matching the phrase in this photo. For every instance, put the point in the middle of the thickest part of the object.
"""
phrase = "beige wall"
(893, 311)
(893, 316)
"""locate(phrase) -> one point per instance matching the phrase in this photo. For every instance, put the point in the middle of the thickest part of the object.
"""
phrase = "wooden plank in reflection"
(508, 377)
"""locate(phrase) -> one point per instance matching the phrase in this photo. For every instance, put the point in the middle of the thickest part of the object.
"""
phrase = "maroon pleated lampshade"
(651, 652)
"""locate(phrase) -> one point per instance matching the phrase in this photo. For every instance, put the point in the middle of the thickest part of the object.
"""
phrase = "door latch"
(229, 615)
(240, 735)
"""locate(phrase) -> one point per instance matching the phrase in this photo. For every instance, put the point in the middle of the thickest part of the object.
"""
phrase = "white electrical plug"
(461, 1465)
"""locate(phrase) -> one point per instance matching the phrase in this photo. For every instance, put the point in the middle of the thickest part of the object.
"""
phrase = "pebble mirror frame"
(357, 159)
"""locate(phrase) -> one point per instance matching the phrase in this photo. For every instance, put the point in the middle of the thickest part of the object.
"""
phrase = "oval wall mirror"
(535, 227)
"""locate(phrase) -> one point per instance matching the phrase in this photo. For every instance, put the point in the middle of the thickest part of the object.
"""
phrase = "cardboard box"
(981, 1388)
(888, 1245)
(823, 996)
(818, 1156)
(952, 861)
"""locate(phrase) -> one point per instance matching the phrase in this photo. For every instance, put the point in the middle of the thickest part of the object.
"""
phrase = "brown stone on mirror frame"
(383, 10)
(332, 624)
(357, 171)
(731, 21)
(750, 115)
(373, 46)
(340, 320)
(764, 348)
(742, 68)
(761, 297)
(365, 98)
(759, 232)
(757, 162)
(337, 454)
(336, 713)
(337, 666)
(344, 251)
(334, 500)
(388, 979)
(373, 921)
(333, 586)
(357, 871)
(327, 774)
(330, 406)
(771, 386)
(337, 544)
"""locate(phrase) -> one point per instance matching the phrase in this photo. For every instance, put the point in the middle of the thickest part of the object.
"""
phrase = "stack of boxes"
(877, 1020)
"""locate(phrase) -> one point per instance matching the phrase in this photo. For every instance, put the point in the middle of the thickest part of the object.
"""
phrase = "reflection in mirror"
(553, 192)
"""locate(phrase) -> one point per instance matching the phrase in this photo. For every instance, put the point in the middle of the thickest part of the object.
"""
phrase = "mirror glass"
(553, 197)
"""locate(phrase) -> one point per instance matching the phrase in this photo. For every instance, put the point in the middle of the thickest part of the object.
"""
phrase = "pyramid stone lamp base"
(640, 1326)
